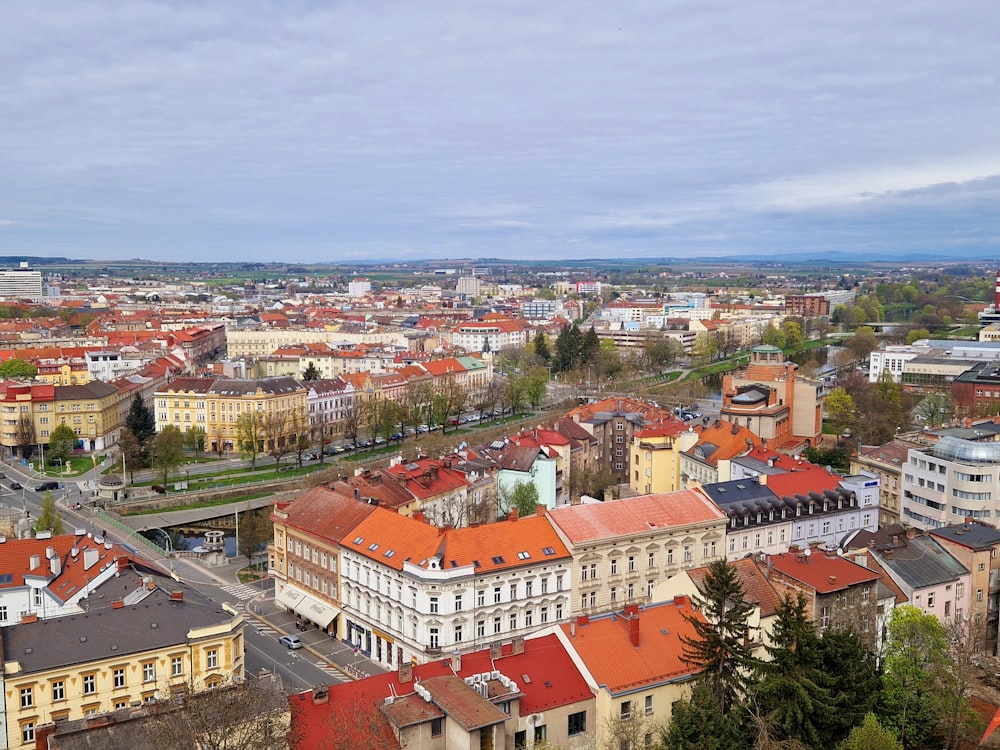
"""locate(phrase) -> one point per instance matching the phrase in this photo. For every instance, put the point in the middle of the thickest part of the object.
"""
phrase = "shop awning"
(316, 611)
(288, 598)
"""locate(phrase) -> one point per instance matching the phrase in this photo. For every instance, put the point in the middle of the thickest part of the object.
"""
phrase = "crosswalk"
(333, 672)
(241, 591)
(264, 629)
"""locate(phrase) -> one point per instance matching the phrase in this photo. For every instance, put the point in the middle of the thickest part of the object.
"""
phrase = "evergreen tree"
(854, 681)
(870, 735)
(697, 723)
(311, 373)
(791, 693)
(541, 346)
(589, 346)
(567, 354)
(62, 443)
(140, 420)
(720, 646)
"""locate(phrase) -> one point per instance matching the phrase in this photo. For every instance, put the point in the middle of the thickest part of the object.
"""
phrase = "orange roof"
(634, 515)
(823, 573)
(626, 650)
(487, 548)
(756, 588)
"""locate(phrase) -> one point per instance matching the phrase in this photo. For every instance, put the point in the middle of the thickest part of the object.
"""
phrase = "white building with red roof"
(412, 591)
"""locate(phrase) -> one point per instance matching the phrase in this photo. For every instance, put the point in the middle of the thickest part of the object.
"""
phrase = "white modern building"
(21, 283)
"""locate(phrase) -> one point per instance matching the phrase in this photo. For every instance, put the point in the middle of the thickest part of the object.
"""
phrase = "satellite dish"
(807, 552)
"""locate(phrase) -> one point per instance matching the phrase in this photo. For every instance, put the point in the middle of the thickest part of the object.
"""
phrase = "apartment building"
(886, 462)
(411, 591)
(21, 283)
(143, 640)
(623, 548)
(656, 457)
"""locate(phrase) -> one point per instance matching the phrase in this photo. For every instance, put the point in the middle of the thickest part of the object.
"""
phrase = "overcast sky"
(328, 131)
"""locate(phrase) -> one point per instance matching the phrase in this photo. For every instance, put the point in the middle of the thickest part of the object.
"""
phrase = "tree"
(916, 334)
(916, 663)
(772, 336)
(853, 678)
(791, 693)
(167, 451)
(589, 345)
(49, 519)
(300, 434)
(255, 531)
(250, 436)
(840, 409)
(698, 723)
(194, 439)
(862, 343)
(131, 450)
(356, 724)
(522, 496)
(62, 443)
(311, 373)
(541, 346)
(26, 436)
(870, 735)
(590, 480)
(704, 349)
(536, 383)
(934, 409)
(276, 435)
(792, 331)
(720, 647)
(250, 715)
(141, 420)
(17, 368)
(662, 352)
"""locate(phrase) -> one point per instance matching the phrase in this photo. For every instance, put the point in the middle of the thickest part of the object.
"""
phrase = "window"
(481, 628)
(529, 616)
(577, 723)
(27, 697)
(177, 666)
(89, 684)
(149, 672)
(652, 560)
(458, 634)
(979, 595)
(212, 659)
(614, 566)
(434, 605)
(28, 732)
(496, 624)
(539, 733)
(513, 620)
(824, 616)
(481, 598)
(649, 705)
(631, 563)
(458, 602)
(520, 740)
(496, 595)
(626, 710)
(930, 599)
(436, 725)
(435, 638)
(544, 614)
(3, 613)
(118, 677)
(58, 690)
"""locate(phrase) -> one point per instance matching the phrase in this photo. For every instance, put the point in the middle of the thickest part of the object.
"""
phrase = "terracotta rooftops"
(824, 573)
(582, 523)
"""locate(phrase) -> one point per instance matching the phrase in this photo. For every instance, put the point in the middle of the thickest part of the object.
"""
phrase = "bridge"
(194, 517)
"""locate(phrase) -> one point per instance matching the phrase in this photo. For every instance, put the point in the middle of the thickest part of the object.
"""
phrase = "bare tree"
(299, 434)
(250, 436)
(252, 715)
(277, 436)
(26, 437)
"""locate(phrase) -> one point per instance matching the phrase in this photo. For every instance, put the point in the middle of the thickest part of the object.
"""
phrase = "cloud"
(275, 129)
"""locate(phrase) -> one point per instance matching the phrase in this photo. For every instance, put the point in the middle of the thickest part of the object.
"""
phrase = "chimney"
(55, 565)
(176, 596)
(123, 563)
(911, 533)
(117, 604)
(633, 629)
(357, 493)
(28, 617)
(831, 579)
(540, 510)
(405, 673)
(763, 444)
(762, 479)
(512, 514)
(680, 600)
(34, 561)
(321, 695)
(418, 515)
(496, 650)
(517, 645)
(888, 554)
(456, 663)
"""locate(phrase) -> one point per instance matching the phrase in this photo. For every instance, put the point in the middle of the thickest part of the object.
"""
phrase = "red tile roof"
(824, 573)
(605, 645)
(583, 523)
(325, 513)
(757, 589)
(545, 674)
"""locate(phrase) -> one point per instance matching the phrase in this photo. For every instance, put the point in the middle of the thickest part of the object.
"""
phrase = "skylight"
(359, 540)
(373, 546)
(548, 551)
(498, 560)
(523, 555)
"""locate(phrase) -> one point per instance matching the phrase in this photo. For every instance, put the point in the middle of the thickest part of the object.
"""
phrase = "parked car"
(47, 486)
(15, 486)
(291, 641)
(311, 457)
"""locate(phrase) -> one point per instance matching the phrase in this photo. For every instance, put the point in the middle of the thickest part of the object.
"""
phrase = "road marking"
(241, 591)
(265, 630)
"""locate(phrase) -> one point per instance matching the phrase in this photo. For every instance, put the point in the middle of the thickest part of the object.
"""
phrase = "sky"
(294, 131)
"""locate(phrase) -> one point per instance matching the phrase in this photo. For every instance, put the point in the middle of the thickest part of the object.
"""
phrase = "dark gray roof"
(745, 492)
(977, 536)
(233, 387)
(93, 389)
(921, 562)
(154, 622)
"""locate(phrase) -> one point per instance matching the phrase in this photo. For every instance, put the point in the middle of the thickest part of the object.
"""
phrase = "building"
(709, 460)
(490, 336)
(656, 458)
(623, 548)
(975, 545)
(773, 401)
(841, 594)
(512, 694)
(410, 591)
(953, 480)
(886, 462)
(976, 392)
(136, 639)
(633, 663)
(359, 287)
(807, 305)
(21, 284)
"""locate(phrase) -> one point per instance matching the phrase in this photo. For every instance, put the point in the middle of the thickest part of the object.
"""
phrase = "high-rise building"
(21, 283)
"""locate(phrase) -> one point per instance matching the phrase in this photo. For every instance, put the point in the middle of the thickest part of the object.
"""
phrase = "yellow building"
(656, 459)
(91, 410)
(143, 643)
(217, 404)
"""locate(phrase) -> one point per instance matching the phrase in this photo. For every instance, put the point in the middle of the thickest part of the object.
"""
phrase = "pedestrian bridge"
(195, 516)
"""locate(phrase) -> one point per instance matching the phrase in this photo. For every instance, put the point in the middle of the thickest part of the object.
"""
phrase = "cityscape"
(498, 504)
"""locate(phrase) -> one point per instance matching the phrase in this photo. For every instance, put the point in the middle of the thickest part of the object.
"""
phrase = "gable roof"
(324, 513)
(633, 515)
(824, 573)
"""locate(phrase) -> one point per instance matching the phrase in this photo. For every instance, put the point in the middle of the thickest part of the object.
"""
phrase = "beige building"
(656, 458)
(141, 641)
(623, 548)
(886, 462)
(261, 342)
